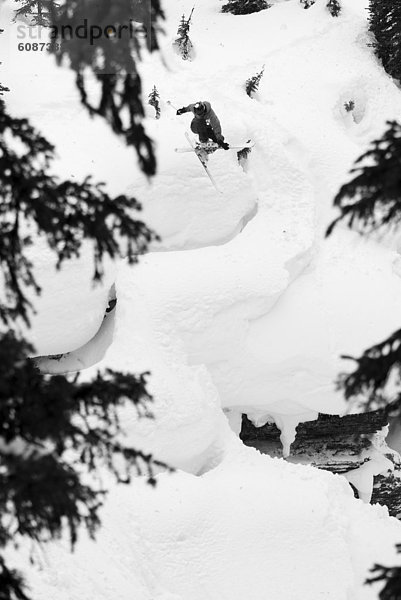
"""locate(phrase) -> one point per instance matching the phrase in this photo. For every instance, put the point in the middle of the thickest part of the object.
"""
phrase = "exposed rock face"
(339, 445)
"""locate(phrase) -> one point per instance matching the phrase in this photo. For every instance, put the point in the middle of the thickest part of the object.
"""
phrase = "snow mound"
(253, 526)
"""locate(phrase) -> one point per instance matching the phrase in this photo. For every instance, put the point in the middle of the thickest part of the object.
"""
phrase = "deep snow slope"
(242, 306)
(254, 527)
(305, 145)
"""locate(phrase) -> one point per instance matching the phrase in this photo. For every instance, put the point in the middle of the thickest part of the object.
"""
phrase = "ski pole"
(172, 105)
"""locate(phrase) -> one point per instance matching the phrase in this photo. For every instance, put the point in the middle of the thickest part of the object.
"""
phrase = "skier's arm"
(185, 109)
(215, 125)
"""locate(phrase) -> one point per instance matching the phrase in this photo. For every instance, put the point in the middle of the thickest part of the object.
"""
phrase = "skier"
(205, 123)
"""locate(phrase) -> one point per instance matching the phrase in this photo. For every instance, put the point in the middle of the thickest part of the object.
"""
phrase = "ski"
(202, 160)
(210, 149)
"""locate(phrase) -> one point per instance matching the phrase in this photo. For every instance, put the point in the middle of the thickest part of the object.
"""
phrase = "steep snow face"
(242, 289)
(227, 301)
(243, 305)
(71, 306)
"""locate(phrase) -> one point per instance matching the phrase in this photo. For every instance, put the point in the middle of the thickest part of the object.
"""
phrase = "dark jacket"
(210, 117)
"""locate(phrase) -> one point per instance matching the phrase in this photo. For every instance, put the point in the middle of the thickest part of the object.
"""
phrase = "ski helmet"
(200, 108)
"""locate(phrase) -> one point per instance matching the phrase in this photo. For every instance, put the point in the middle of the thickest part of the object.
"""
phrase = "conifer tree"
(252, 84)
(390, 576)
(307, 3)
(349, 106)
(244, 7)
(41, 418)
(182, 42)
(154, 97)
(56, 432)
(243, 154)
(29, 194)
(370, 201)
(108, 66)
(334, 7)
(385, 24)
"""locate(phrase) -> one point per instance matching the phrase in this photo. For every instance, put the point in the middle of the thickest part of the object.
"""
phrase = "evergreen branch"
(66, 213)
(372, 199)
(53, 432)
(117, 81)
(373, 370)
(252, 84)
(12, 585)
(391, 576)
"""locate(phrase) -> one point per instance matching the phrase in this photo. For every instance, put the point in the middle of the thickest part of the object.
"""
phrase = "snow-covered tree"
(153, 100)
(243, 154)
(244, 7)
(385, 24)
(252, 84)
(307, 3)
(182, 43)
(370, 201)
(334, 7)
(30, 195)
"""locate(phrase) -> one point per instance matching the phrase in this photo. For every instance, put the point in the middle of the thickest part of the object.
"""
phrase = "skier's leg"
(198, 126)
(194, 126)
(211, 134)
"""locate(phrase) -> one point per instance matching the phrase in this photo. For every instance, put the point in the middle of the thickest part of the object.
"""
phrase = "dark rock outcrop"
(336, 444)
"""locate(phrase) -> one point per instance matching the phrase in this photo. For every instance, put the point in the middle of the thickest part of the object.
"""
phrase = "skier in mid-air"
(205, 123)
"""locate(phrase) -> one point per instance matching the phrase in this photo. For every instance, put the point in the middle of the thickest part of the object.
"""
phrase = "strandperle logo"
(84, 31)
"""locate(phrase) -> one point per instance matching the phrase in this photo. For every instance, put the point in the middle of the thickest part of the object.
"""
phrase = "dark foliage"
(334, 7)
(243, 154)
(349, 106)
(244, 7)
(252, 84)
(385, 24)
(373, 198)
(66, 212)
(56, 434)
(182, 42)
(307, 3)
(37, 11)
(391, 576)
(154, 98)
(124, 29)
(370, 201)
(12, 585)
(54, 431)
(373, 370)
(44, 419)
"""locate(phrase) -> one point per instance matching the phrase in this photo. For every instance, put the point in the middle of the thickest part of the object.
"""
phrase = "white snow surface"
(243, 306)
(252, 527)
